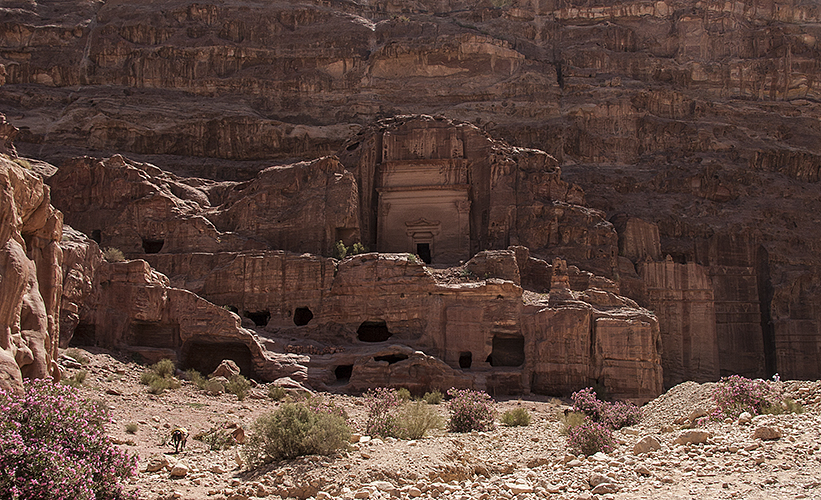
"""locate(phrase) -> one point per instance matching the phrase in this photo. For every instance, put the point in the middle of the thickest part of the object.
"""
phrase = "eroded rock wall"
(31, 285)
(128, 305)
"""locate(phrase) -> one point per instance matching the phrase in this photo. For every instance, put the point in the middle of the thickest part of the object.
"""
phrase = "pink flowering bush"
(590, 438)
(735, 394)
(613, 415)
(53, 446)
(382, 403)
(586, 401)
(470, 411)
(620, 414)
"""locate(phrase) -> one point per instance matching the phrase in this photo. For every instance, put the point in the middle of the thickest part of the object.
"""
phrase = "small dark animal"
(178, 438)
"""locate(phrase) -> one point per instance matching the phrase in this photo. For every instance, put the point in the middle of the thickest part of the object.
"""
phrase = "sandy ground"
(508, 462)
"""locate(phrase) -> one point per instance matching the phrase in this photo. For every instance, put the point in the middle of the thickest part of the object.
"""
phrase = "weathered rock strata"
(31, 278)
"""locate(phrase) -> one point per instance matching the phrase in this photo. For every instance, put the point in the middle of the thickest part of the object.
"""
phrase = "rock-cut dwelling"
(485, 269)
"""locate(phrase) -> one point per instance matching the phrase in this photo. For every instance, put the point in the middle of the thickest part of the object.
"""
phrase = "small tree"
(340, 250)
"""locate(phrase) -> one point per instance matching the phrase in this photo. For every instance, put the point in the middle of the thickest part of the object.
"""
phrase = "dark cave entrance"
(205, 357)
(97, 236)
(152, 246)
(423, 251)
(343, 373)
(373, 331)
(507, 351)
(85, 334)
(465, 360)
(302, 316)
(260, 318)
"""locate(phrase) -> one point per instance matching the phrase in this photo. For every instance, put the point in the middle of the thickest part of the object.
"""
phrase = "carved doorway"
(423, 251)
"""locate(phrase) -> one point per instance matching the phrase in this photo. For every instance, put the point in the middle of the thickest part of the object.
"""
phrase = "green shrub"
(403, 394)
(217, 439)
(239, 386)
(195, 377)
(433, 398)
(158, 377)
(276, 392)
(164, 368)
(358, 248)
(112, 254)
(340, 250)
(131, 427)
(77, 379)
(570, 420)
(158, 385)
(77, 355)
(785, 406)
(516, 417)
(470, 411)
(294, 430)
(416, 418)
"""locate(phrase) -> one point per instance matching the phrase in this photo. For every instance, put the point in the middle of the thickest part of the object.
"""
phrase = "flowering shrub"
(613, 415)
(586, 401)
(470, 411)
(735, 394)
(590, 438)
(53, 446)
(620, 414)
(294, 430)
(381, 403)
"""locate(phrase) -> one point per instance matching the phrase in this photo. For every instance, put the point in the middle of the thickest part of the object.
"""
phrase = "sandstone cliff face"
(699, 119)
(141, 209)
(30, 268)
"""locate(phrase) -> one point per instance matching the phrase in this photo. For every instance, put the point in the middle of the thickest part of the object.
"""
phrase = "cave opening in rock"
(391, 358)
(205, 357)
(97, 236)
(373, 331)
(343, 372)
(85, 334)
(423, 251)
(465, 359)
(260, 318)
(507, 351)
(152, 246)
(302, 316)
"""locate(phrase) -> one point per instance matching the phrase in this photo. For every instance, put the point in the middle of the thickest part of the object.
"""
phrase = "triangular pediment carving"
(422, 223)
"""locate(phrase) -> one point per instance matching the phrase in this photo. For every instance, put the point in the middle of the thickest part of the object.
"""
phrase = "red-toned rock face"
(692, 126)
(31, 285)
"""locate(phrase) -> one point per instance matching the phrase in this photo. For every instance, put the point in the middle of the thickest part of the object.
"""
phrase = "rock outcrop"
(31, 272)
(128, 305)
